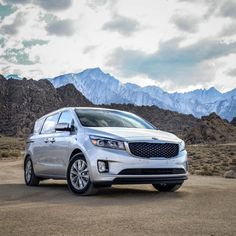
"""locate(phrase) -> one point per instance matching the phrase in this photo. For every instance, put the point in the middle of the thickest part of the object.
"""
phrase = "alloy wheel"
(79, 174)
(28, 171)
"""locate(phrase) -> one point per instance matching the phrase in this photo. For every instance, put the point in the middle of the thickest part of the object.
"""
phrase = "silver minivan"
(98, 147)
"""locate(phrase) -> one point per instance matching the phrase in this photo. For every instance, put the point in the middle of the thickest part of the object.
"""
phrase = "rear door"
(36, 144)
(44, 150)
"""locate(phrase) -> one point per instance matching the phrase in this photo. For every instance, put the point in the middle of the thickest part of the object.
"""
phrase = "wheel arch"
(76, 151)
(26, 156)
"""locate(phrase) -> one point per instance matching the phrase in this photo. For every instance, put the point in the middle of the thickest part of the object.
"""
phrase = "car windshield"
(111, 118)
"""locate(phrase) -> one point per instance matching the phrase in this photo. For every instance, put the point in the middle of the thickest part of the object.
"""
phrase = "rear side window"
(38, 126)
(50, 124)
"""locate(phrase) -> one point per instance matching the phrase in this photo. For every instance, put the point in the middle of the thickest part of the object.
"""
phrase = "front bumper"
(143, 180)
(119, 160)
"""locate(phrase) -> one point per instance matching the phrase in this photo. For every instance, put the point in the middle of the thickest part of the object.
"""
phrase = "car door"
(44, 150)
(37, 145)
(64, 142)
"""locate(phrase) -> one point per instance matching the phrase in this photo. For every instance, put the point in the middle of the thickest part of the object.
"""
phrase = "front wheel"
(30, 178)
(78, 177)
(167, 187)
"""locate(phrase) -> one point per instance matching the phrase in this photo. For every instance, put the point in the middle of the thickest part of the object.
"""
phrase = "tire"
(30, 178)
(167, 187)
(78, 178)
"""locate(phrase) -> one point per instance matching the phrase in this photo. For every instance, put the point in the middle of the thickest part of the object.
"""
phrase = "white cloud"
(186, 23)
(13, 27)
(80, 34)
(54, 5)
(123, 25)
(61, 27)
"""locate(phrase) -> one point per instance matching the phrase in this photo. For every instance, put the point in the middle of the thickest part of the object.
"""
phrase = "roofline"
(73, 108)
(96, 108)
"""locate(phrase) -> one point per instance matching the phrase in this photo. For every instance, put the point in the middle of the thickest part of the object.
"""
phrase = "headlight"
(182, 146)
(107, 142)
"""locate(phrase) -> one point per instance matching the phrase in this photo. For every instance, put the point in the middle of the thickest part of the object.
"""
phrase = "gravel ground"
(203, 206)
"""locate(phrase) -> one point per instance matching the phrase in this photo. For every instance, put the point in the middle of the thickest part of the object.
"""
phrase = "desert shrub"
(4, 154)
(8, 153)
(224, 163)
(15, 153)
(206, 170)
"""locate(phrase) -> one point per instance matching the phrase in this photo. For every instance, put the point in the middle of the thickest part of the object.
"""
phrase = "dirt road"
(203, 206)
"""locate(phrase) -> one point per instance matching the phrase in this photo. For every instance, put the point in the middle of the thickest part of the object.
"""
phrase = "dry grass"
(11, 147)
(211, 159)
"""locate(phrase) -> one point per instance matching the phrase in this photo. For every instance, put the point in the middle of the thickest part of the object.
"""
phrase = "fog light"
(103, 166)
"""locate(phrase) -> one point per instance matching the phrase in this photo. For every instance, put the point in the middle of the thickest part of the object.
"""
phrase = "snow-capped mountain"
(102, 88)
(13, 76)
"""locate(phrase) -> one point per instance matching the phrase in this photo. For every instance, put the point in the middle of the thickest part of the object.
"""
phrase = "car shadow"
(59, 192)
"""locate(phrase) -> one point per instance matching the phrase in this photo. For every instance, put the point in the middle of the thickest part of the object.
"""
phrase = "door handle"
(52, 140)
(46, 140)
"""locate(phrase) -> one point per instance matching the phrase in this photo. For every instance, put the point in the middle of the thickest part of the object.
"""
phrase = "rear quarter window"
(50, 124)
(38, 126)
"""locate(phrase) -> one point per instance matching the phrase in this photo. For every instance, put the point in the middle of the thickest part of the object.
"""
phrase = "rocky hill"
(23, 101)
(233, 122)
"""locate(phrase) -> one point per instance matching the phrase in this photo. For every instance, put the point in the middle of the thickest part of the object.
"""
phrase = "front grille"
(143, 149)
(153, 171)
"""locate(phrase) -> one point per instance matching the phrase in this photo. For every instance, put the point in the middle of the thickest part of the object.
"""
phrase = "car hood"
(133, 134)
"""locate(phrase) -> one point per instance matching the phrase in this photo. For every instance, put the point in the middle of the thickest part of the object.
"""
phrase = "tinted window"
(50, 124)
(38, 126)
(109, 118)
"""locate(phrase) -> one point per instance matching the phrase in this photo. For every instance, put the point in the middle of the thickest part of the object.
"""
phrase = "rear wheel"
(167, 187)
(78, 177)
(30, 178)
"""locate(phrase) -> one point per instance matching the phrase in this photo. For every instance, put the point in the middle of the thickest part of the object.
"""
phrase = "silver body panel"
(50, 153)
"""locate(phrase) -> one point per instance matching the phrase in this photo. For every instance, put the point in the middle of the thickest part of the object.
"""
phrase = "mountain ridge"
(15, 76)
(24, 101)
(103, 88)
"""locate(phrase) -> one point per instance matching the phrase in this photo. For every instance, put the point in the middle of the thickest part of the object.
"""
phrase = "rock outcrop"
(23, 101)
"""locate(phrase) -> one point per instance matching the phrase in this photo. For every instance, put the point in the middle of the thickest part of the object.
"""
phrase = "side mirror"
(63, 127)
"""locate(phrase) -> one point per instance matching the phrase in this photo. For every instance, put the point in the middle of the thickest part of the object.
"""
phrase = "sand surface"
(203, 206)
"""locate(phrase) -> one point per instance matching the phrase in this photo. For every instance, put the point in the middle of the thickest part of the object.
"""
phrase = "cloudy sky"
(178, 45)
